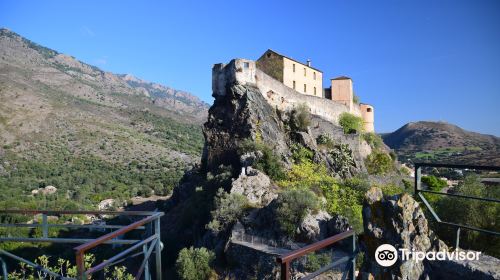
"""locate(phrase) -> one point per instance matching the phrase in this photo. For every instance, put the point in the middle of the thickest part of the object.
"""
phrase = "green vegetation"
(269, 163)
(316, 261)
(186, 138)
(293, 206)
(342, 159)
(434, 183)
(379, 163)
(481, 214)
(443, 153)
(81, 182)
(66, 269)
(374, 140)
(194, 264)
(228, 208)
(345, 200)
(325, 140)
(300, 118)
(355, 99)
(351, 123)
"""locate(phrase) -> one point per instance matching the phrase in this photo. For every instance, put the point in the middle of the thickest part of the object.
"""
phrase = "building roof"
(341, 78)
(292, 59)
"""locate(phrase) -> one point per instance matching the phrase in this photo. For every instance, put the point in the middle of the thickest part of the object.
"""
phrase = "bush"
(471, 212)
(342, 200)
(301, 153)
(374, 140)
(342, 159)
(269, 163)
(351, 123)
(292, 207)
(434, 183)
(316, 261)
(228, 209)
(194, 263)
(325, 140)
(378, 163)
(300, 118)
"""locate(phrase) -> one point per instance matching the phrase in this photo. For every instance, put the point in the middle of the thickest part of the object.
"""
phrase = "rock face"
(256, 186)
(399, 221)
(242, 113)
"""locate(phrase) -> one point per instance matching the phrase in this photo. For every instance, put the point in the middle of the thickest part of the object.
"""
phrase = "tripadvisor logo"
(386, 255)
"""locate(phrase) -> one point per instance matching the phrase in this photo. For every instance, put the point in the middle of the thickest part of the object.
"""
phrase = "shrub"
(292, 207)
(269, 163)
(300, 118)
(378, 163)
(228, 208)
(301, 153)
(325, 140)
(434, 183)
(194, 263)
(350, 123)
(65, 269)
(316, 261)
(342, 159)
(307, 176)
(347, 202)
(471, 212)
(374, 140)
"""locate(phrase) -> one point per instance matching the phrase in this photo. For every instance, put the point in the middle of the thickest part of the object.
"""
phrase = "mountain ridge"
(88, 132)
(442, 141)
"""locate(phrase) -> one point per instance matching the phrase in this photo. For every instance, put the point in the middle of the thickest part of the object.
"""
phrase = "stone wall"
(245, 72)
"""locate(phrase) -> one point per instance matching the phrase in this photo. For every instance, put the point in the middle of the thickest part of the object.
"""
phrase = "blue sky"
(413, 60)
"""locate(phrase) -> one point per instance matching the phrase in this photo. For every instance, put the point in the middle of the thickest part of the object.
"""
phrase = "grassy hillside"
(443, 142)
(91, 134)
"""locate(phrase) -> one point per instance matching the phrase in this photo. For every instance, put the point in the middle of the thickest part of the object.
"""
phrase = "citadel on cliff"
(286, 83)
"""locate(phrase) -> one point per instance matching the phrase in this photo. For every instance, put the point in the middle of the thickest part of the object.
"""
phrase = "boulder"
(398, 221)
(256, 186)
(314, 227)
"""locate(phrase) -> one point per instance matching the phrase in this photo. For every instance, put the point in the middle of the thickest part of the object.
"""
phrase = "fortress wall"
(245, 72)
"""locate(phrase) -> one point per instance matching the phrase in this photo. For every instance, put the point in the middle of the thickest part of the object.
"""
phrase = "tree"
(194, 263)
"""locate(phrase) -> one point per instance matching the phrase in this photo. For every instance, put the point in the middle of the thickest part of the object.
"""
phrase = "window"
(314, 90)
(305, 88)
(293, 66)
(269, 54)
(368, 109)
(314, 75)
(293, 84)
(246, 65)
(305, 72)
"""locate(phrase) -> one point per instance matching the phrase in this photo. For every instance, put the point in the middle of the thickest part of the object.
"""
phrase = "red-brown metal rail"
(153, 240)
(285, 260)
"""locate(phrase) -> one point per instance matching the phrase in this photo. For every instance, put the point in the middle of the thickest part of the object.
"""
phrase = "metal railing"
(419, 191)
(350, 260)
(150, 243)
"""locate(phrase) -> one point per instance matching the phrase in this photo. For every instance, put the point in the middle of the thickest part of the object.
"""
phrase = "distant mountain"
(443, 142)
(58, 113)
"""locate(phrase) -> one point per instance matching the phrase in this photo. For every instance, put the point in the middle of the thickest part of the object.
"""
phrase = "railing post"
(80, 266)
(353, 271)
(418, 174)
(158, 249)
(285, 271)
(147, 275)
(457, 244)
(45, 226)
(4, 269)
